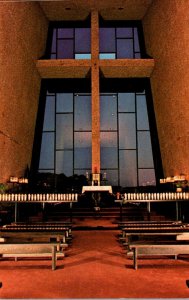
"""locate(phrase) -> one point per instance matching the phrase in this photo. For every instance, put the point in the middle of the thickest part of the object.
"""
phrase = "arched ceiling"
(80, 9)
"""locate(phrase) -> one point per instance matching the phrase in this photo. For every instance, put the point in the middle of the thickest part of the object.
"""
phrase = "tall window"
(129, 146)
(66, 136)
(125, 136)
(120, 40)
(69, 40)
(117, 40)
(126, 150)
(127, 119)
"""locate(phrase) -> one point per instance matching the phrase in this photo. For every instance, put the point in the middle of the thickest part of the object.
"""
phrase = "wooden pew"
(157, 249)
(59, 223)
(140, 223)
(152, 227)
(183, 236)
(150, 232)
(168, 234)
(34, 237)
(67, 225)
(30, 249)
(148, 237)
(156, 229)
(36, 233)
(39, 230)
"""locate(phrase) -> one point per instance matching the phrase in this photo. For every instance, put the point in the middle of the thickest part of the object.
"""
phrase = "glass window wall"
(119, 42)
(66, 139)
(70, 42)
(125, 139)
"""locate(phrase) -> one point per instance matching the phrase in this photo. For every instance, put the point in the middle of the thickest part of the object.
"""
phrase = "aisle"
(95, 267)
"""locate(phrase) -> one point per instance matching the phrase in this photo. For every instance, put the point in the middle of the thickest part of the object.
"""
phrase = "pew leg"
(53, 258)
(135, 258)
(58, 247)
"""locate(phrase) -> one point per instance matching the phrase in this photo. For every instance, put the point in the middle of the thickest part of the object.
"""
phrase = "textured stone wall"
(23, 31)
(95, 91)
(166, 30)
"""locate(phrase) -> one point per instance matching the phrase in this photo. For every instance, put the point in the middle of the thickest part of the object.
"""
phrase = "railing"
(153, 197)
(38, 198)
(168, 196)
(50, 198)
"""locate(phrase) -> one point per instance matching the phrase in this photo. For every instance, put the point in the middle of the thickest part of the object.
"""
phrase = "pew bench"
(34, 237)
(130, 238)
(38, 230)
(67, 225)
(183, 236)
(30, 249)
(179, 228)
(147, 223)
(157, 249)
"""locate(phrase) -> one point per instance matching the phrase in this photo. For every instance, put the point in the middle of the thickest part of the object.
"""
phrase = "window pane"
(53, 56)
(82, 40)
(65, 49)
(107, 56)
(107, 40)
(49, 93)
(82, 117)
(82, 172)
(126, 102)
(142, 92)
(64, 162)
(64, 131)
(146, 177)
(46, 171)
(82, 150)
(109, 157)
(136, 40)
(124, 32)
(108, 150)
(49, 121)
(112, 177)
(53, 47)
(47, 151)
(145, 159)
(108, 112)
(125, 48)
(65, 33)
(142, 114)
(128, 168)
(82, 56)
(108, 139)
(64, 102)
(127, 131)
(137, 55)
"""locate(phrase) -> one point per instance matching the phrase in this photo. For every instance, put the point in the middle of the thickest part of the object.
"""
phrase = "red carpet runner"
(95, 267)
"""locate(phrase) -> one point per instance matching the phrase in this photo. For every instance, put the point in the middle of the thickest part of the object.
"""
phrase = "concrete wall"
(23, 31)
(166, 30)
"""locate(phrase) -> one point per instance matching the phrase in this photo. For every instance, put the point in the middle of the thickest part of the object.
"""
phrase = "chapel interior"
(94, 166)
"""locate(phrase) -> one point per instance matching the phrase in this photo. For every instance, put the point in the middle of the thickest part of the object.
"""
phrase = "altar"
(96, 193)
(97, 188)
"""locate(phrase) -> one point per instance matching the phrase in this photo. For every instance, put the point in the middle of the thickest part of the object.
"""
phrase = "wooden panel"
(80, 9)
(126, 68)
(167, 40)
(63, 68)
(23, 30)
